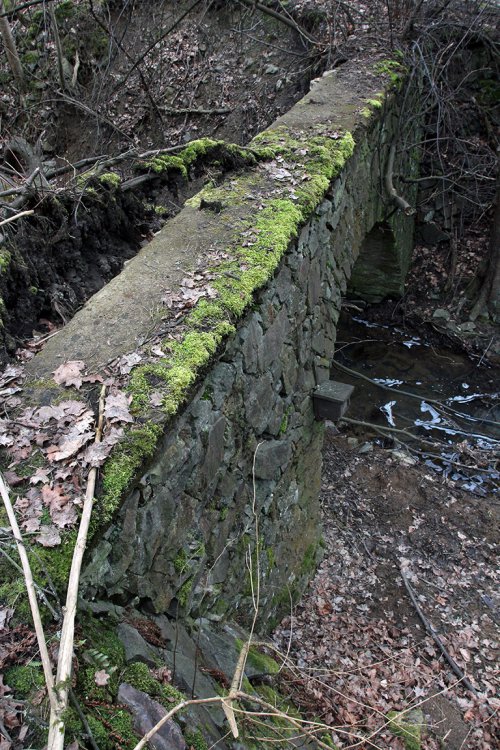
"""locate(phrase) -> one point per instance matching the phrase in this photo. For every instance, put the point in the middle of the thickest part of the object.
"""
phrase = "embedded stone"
(146, 713)
(272, 457)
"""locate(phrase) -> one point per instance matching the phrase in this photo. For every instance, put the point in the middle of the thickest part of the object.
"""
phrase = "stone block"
(136, 648)
(272, 458)
(146, 713)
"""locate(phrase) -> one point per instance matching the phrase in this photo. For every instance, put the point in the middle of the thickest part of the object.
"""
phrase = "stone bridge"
(224, 456)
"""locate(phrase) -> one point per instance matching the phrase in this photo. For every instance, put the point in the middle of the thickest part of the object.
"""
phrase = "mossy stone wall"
(185, 538)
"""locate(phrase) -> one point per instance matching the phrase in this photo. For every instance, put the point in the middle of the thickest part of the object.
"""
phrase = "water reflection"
(438, 403)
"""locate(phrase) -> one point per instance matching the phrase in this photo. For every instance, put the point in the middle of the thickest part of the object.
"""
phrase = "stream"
(447, 405)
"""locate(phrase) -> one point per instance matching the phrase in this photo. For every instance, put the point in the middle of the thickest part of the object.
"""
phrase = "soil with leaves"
(359, 647)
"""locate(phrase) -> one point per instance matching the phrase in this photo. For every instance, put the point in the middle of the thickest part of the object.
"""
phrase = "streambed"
(437, 405)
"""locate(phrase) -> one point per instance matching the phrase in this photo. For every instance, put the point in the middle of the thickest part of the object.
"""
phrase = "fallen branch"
(387, 430)
(194, 111)
(239, 695)
(389, 186)
(16, 216)
(30, 588)
(64, 662)
(437, 640)
(80, 105)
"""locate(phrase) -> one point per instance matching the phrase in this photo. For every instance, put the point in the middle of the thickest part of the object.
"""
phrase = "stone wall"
(238, 471)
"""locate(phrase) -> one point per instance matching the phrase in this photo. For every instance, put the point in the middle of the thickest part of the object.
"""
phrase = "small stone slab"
(136, 648)
(146, 713)
(331, 400)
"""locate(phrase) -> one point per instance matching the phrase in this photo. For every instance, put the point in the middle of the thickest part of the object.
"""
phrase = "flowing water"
(449, 402)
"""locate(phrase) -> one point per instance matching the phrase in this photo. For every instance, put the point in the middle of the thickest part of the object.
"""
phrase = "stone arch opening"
(376, 273)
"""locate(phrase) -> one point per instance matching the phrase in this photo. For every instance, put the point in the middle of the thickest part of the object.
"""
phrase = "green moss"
(64, 10)
(394, 69)
(137, 445)
(308, 564)
(181, 561)
(184, 591)
(385, 67)
(166, 163)
(407, 725)
(112, 727)
(23, 680)
(54, 562)
(5, 258)
(30, 57)
(139, 676)
(202, 148)
(327, 739)
(285, 420)
(104, 638)
(111, 179)
(195, 740)
(261, 662)
(271, 558)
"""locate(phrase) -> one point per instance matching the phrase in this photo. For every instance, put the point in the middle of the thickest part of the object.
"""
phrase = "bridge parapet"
(224, 423)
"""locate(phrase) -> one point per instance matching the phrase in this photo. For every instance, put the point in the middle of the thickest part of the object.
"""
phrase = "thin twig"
(157, 41)
(280, 17)
(42, 593)
(194, 111)
(83, 719)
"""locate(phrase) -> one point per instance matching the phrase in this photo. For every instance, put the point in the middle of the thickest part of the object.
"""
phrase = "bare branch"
(279, 17)
(16, 216)
(30, 587)
(389, 186)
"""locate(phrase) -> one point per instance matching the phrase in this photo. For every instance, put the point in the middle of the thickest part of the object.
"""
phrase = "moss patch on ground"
(407, 725)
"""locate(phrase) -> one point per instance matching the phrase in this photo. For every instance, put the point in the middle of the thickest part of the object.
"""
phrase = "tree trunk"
(11, 50)
(489, 296)
(493, 300)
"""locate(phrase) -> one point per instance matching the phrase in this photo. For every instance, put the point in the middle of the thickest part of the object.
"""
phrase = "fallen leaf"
(101, 678)
(116, 409)
(49, 536)
(70, 373)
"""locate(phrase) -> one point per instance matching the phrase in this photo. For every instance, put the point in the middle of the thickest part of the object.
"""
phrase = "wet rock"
(146, 713)
(467, 327)
(441, 314)
(366, 448)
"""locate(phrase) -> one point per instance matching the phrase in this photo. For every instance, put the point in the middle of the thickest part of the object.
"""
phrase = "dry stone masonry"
(242, 444)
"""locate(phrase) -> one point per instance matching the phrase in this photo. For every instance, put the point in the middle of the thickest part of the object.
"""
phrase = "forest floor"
(356, 639)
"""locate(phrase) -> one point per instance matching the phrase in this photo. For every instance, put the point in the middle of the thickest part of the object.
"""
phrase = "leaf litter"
(361, 650)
